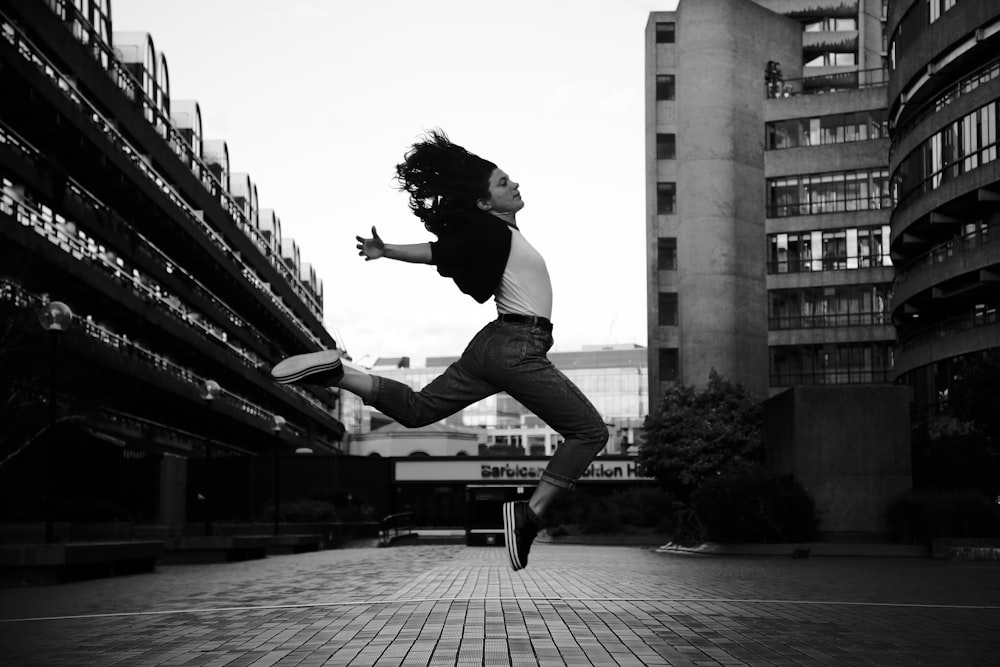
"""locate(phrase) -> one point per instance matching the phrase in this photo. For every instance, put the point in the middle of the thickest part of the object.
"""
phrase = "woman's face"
(504, 195)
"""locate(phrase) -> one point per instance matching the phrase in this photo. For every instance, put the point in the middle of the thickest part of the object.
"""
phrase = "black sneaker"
(519, 531)
(321, 368)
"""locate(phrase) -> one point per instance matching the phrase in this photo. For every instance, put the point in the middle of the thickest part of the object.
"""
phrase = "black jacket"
(475, 255)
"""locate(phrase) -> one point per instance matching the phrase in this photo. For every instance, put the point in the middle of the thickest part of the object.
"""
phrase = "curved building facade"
(944, 98)
(183, 292)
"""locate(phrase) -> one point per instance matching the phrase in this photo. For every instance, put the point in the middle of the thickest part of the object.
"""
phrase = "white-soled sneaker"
(321, 368)
(519, 531)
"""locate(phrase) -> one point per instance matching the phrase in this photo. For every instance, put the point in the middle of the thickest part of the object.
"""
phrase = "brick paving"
(573, 605)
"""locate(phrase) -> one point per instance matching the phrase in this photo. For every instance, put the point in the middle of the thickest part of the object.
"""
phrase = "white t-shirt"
(525, 288)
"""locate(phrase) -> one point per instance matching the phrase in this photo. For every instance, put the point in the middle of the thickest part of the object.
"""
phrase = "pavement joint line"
(401, 601)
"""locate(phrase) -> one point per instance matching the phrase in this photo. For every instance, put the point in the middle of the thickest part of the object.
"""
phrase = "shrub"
(753, 505)
(601, 517)
(642, 505)
(916, 517)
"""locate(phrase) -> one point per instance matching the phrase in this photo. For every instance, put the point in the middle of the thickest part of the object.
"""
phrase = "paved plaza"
(573, 605)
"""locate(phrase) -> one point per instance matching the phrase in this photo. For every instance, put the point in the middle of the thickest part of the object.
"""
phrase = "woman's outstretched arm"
(375, 247)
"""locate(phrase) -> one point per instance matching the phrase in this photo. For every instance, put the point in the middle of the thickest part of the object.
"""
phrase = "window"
(961, 147)
(666, 198)
(666, 146)
(858, 363)
(935, 8)
(833, 192)
(669, 365)
(665, 33)
(829, 250)
(832, 129)
(833, 59)
(666, 254)
(665, 87)
(668, 309)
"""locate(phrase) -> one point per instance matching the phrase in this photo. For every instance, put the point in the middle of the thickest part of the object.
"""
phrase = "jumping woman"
(471, 206)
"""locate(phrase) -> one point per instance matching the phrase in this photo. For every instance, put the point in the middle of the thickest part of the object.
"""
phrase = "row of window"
(829, 250)
(959, 148)
(858, 363)
(834, 192)
(831, 24)
(833, 129)
(821, 307)
(964, 86)
(817, 307)
(833, 59)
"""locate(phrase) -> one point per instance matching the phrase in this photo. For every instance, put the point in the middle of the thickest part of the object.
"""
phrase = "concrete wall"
(848, 445)
(723, 48)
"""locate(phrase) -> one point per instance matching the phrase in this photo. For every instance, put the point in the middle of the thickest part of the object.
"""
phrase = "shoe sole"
(509, 536)
(300, 366)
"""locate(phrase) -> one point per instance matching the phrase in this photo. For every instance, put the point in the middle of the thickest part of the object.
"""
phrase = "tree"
(959, 447)
(699, 435)
(973, 393)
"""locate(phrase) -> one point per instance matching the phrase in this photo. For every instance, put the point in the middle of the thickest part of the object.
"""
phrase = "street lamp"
(54, 317)
(210, 389)
(278, 423)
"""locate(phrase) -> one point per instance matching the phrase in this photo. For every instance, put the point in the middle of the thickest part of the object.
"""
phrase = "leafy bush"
(697, 434)
(917, 517)
(642, 505)
(753, 505)
(601, 517)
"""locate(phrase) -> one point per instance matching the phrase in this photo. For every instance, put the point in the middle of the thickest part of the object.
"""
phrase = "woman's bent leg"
(458, 387)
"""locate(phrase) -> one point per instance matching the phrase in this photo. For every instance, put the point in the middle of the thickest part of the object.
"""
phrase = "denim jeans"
(508, 357)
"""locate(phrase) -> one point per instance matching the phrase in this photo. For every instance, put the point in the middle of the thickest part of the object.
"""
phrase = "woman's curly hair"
(444, 181)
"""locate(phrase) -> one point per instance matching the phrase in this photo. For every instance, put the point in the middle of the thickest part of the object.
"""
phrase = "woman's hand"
(372, 248)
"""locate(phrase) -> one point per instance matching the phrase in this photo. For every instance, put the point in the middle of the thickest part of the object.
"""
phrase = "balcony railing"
(133, 90)
(964, 86)
(978, 318)
(33, 55)
(15, 294)
(825, 84)
(949, 250)
(62, 233)
(787, 322)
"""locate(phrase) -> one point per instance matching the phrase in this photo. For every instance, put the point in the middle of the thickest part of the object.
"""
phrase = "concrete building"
(183, 291)
(614, 378)
(945, 179)
(767, 194)
(768, 227)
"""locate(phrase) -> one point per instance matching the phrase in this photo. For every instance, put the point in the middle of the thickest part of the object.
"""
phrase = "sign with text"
(508, 470)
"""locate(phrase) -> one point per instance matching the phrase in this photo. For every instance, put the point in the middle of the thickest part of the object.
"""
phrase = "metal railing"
(943, 252)
(27, 49)
(95, 334)
(824, 84)
(394, 526)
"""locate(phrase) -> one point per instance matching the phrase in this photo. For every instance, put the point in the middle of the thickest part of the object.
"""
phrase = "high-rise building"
(944, 93)
(767, 194)
(183, 291)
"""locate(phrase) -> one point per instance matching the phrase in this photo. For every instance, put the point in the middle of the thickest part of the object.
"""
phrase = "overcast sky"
(318, 101)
